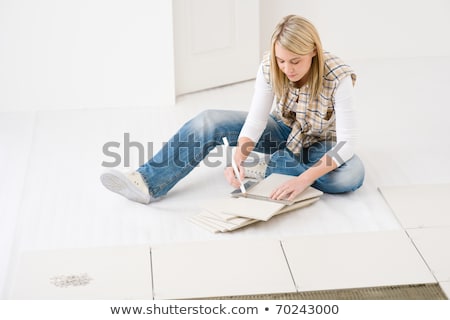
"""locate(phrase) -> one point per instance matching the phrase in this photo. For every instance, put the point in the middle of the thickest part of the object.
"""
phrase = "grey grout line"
(289, 267)
(380, 191)
(420, 254)
(407, 233)
(151, 273)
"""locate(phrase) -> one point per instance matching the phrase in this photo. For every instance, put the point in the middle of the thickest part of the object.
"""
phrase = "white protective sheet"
(58, 201)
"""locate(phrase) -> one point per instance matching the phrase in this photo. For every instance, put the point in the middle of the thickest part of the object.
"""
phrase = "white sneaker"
(256, 171)
(130, 185)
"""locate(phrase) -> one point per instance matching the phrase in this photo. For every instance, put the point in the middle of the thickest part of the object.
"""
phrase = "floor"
(51, 197)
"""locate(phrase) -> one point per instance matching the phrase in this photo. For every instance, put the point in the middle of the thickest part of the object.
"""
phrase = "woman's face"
(295, 67)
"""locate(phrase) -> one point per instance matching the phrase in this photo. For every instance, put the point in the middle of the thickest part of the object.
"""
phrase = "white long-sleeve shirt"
(346, 129)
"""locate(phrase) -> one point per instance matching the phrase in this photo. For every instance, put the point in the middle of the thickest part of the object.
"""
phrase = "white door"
(216, 42)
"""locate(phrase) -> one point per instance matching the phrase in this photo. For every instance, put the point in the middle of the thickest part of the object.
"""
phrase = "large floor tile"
(220, 268)
(433, 245)
(418, 206)
(355, 260)
(97, 273)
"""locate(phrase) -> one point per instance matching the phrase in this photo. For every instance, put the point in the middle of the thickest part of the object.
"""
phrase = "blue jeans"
(197, 137)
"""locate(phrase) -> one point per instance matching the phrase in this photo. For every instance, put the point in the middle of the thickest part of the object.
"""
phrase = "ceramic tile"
(220, 268)
(94, 273)
(355, 260)
(418, 206)
(243, 207)
(433, 244)
(446, 288)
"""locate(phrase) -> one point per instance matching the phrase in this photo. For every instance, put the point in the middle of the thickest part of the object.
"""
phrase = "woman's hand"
(245, 146)
(290, 189)
(231, 177)
(295, 186)
(229, 173)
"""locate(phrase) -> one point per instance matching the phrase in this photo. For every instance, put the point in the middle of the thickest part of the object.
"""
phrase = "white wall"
(85, 53)
(355, 29)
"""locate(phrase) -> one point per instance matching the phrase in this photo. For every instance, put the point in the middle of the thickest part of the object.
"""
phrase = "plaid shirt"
(311, 120)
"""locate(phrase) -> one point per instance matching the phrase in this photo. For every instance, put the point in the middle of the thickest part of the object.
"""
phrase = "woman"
(309, 135)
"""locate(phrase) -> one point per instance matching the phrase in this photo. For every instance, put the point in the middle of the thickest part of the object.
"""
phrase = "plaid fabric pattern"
(311, 120)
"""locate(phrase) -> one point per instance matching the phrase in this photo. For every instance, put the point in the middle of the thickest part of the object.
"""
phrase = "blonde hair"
(299, 36)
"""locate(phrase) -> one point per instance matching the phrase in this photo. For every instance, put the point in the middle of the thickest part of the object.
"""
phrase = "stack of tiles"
(228, 214)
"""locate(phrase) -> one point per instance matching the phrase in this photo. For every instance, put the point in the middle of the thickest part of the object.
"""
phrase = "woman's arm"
(254, 125)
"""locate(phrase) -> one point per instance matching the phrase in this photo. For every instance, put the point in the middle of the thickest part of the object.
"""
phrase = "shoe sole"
(117, 182)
